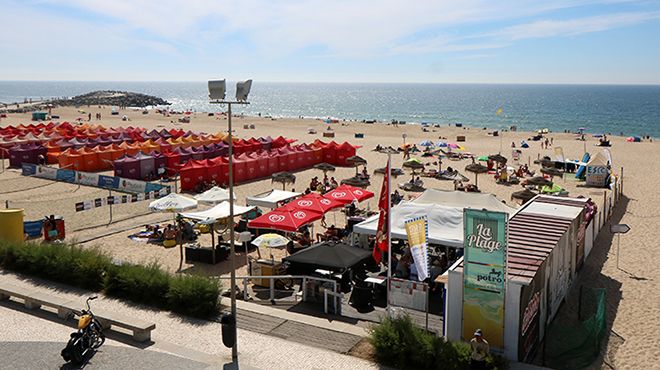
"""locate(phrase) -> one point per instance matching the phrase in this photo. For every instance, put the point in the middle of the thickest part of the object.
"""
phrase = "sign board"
(597, 175)
(408, 294)
(484, 274)
(619, 228)
(417, 231)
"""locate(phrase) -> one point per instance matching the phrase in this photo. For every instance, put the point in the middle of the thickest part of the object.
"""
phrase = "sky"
(434, 41)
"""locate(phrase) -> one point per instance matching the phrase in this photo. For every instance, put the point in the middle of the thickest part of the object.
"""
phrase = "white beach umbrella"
(270, 241)
(172, 203)
(214, 195)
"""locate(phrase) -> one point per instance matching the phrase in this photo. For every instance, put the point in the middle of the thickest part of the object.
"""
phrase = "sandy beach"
(632, 304)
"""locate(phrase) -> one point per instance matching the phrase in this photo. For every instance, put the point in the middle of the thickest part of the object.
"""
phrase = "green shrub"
(142, 284)
(193, 295)
(399, 343)
(58, 262)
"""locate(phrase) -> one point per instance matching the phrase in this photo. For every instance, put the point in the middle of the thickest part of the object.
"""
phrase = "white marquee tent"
(271, 199)
(444, 210)
(217, 213)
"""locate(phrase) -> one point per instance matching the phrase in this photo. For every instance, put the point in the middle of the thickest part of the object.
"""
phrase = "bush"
(399, 343)
(193, 295)
(91, 269)
(142, 284)
(67, 264)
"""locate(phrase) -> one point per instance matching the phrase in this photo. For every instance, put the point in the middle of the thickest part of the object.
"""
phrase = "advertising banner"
(28, 169)
(66, 176)
(484, 274)
(132, 186)
(108, 182)
(46, 172)
(417, 230)
(408, 294)
(87, 178)
(597, 175)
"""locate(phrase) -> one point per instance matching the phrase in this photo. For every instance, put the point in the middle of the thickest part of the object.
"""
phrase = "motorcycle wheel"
(77, 351)
(98, 338)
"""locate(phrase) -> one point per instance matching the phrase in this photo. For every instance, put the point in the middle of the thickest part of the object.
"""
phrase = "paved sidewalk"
(200, 340)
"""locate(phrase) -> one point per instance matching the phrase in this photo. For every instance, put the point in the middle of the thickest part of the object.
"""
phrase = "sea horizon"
(600, 108)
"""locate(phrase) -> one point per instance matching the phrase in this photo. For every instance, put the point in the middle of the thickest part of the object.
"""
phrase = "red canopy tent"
(313, 202)
(251, 166)
(273, 162)
(344, 151)
(285, 220)
(330, 152)
(218, 170)
(346, 194)
(193, 173)
(240, 172)
(262, 164)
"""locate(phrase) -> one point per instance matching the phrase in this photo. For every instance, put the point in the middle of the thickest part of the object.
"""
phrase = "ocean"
(627, 110)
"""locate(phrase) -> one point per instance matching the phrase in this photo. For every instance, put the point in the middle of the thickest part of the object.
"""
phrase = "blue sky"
(467, 41)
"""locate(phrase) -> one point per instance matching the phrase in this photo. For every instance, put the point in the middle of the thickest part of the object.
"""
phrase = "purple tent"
(25, 153)
(103, 141)
(160, 162)
(78, 142)
(211, 151)
(223, 148)
(93, 142)
(266, 142)
(184, 153)
(147, 166)
(196, 153)
(64, 145)
(127, 167)
(165, 134)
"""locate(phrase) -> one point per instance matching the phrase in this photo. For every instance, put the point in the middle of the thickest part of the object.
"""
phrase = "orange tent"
(90, 158)
(104, 153)
(131, 149)
(149, 146)
(72, 159)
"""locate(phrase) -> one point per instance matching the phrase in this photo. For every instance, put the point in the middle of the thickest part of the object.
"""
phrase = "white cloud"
(572, 27)
(342, 27)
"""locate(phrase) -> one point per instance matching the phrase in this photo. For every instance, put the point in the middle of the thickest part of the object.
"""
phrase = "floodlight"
(217, 89)
(242, 90)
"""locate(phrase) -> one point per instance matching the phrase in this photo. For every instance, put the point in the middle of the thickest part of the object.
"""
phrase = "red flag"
(380, 245)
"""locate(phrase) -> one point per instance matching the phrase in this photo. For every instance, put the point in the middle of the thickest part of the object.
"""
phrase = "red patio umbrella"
(285, 220)
(347, 194)
(313, 202)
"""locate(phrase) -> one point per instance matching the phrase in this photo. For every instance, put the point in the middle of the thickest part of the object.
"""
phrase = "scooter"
(88, 337)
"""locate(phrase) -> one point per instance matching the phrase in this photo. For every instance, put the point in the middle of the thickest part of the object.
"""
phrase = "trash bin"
(228, 322)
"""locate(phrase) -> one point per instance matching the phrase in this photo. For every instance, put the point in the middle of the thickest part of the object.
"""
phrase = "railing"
(304, 278)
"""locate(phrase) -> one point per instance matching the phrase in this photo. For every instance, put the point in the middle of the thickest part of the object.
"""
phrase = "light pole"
(217, 96)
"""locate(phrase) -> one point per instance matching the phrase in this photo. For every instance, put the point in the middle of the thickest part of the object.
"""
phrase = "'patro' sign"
(484, 274)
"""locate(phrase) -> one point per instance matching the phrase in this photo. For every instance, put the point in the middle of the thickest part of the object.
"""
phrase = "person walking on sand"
(480, 350)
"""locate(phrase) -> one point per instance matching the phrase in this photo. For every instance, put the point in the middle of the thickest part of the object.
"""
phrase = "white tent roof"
(172, 203)
(214, 195)
(270, 199)
(599, 159)
(217, 213)
(444, 210)
(462, 199)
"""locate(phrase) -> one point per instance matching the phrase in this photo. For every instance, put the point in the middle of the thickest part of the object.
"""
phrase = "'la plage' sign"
(484, 273)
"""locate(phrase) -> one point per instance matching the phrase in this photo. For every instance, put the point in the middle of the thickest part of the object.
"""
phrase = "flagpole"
(389, 228)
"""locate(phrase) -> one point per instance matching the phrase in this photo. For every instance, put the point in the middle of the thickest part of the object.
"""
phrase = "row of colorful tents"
(262, 164)
(309, 208)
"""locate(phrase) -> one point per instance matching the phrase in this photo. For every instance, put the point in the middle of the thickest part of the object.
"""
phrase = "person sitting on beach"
(365, 173)
(333, 183)
(320, 188)
(458, 185)
(314, 183)
(513, 144)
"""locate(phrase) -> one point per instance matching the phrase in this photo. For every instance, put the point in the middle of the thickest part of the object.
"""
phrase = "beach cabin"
(546, 247)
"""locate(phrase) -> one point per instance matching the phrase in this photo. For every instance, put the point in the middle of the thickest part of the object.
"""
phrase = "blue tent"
(426, 143)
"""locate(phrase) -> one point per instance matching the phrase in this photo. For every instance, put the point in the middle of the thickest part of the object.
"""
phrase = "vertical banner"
(417, 230)
(484, 274)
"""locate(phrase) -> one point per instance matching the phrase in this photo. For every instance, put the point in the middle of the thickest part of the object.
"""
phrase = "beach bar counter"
(547, 244)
